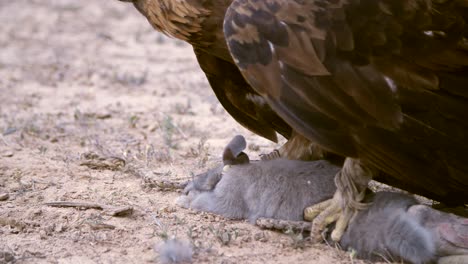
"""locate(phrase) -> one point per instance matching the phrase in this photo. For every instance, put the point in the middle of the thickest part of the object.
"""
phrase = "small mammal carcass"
(395, 226)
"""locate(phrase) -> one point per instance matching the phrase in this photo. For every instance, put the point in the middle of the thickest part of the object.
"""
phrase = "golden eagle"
(383, 83)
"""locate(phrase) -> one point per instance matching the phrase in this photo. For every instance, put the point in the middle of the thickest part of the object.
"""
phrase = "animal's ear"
(242, 158)
(233, 154)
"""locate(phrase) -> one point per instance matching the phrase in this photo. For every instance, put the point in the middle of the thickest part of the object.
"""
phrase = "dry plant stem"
(100, 226)
(270, 223)
(170, 185)
(112, 163)
(109, 210)
(76, 204)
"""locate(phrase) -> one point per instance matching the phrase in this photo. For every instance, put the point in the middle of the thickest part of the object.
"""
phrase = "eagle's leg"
(297, 148)
(351, 183)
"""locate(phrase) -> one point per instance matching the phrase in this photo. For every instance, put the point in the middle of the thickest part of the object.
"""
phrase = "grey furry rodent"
(260, 189)
(175, 251)
(395, 226)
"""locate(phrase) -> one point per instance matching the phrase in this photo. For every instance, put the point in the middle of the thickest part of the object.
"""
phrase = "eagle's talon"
(322, 215)
(312, 211)
(351, 184)
(330, 212)
(275, 154)
(342, 224)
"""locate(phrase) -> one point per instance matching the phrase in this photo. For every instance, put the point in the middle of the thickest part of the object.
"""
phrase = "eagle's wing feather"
(239, 99)
(286, 54)
(383, 81)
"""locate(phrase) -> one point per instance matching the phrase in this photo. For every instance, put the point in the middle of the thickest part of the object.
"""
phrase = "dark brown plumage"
(385, 82)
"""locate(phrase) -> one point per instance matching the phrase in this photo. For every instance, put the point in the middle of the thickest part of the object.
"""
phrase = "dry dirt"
(97, 107)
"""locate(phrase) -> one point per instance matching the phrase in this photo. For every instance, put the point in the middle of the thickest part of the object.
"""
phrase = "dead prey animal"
(395, 226)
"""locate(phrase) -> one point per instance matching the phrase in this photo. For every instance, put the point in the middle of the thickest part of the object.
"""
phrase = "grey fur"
(388, 230)
(394, 227)
(273, 189)
(397, 227)
(175, 251)
(205, 181)
(233, 154)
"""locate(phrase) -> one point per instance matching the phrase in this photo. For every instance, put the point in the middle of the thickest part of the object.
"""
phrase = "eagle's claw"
(275, 154)
(351, 184)
(325, 213)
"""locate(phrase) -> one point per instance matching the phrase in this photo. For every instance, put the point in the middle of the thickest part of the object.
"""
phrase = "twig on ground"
(97, 225)
(109, 210)
(269, 223)
(96, 162)
(75, 204)
(169, 185)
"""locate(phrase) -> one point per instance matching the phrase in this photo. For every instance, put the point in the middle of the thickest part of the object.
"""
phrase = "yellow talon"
(312, 211)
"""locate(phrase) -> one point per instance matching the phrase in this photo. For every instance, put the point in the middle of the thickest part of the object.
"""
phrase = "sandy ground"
(96, 107)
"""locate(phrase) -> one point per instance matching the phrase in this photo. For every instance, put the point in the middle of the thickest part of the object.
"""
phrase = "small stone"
(246, 239)
(37, 212)
(4, 196)
(254, 147)
(49, 229)
(42, 234)
(9, 131)
(120, 211)
(75, 236)
(225, 238)
(59, 228)
(261, 237)
(168, 209)
(6, 257)
(7, 153)
(103, 116)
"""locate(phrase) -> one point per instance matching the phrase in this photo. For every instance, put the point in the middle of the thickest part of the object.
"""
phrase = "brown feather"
(383, 81)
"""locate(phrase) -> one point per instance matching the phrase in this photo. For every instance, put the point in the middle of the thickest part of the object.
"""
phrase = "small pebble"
(7, 154)
(261, 237)
(168, 209)
(42, 234)
(4, 196)
(246, 239)
(6, 257)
